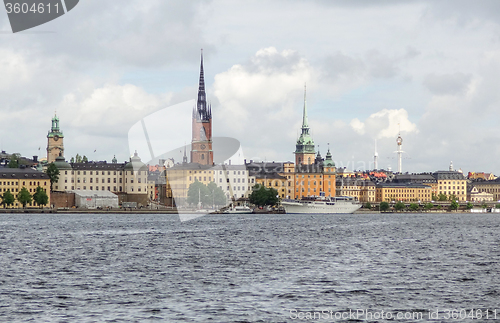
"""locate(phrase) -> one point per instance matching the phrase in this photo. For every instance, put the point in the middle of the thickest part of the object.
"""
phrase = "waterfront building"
(14, 179)
(406, 192)
(475, 196)
(451, 183)
(424, 178)
(234, 180)
(180, 176)
(55, 138)
(127, 180)
(316, 179)
(489, 187)
(271, 174)
(361, 189)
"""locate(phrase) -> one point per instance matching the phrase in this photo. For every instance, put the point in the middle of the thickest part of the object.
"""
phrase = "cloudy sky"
(428, 68)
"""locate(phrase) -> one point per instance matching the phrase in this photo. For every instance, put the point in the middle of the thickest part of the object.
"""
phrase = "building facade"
(361, 189)
(405, 192)
(452, 183)
(128, 179)
(14, 179)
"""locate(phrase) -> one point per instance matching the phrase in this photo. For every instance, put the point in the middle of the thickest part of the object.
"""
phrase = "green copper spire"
(328, 160)
(305, 143)
(304, 115)
(55, 130)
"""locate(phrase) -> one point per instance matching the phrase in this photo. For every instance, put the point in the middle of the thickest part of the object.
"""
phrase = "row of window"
(16, 190)
(449, 187)
(24, 183)
(103, 172)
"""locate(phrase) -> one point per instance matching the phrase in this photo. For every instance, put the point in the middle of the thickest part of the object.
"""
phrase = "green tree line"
(24, 197)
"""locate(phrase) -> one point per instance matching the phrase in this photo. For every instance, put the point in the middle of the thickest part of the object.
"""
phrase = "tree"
(262, 196)
(454, 205)
(442, 197)
(384, 206)
(414, 206)
(40, 197)
(367, 205)
(7, 199)
(469, 206)
(452, 197)
(24, 197)
(72, 160)
(429, 206)
(78, 158)
(53, 174)
(85, 159)
(497, 206)
(484, 206)
(399, 206)
(197, 193)
(434, 197)
(216, 194)
(14, 161)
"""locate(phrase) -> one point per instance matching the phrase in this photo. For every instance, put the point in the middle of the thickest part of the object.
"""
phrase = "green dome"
(135, 163)
(328, 160)
(61, 163)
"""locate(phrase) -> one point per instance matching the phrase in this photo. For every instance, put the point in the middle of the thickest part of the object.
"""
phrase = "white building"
(234, 180)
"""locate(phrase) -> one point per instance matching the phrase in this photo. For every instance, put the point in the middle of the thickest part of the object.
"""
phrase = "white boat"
(321, 205)
(238, 210)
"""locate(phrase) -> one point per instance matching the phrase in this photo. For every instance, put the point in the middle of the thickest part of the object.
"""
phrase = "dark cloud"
(447, 84)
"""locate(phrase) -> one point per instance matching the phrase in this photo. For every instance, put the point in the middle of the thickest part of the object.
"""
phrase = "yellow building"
(361, 189)
(180, 176)
(14, 179)
(406, 192)
(451, 183)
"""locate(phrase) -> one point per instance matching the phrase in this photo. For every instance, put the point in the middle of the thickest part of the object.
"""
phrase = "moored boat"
(321, 205)
(238, 210)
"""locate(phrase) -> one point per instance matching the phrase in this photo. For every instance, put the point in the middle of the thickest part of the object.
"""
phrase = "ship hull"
(296, 207)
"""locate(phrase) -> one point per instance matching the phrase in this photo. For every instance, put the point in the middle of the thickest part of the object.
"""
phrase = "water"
(247, 268)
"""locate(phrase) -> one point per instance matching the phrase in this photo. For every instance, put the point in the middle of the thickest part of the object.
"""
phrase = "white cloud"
(110, 109)
(385, 124)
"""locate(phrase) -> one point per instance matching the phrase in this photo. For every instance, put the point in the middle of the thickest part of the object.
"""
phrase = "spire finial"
(304, 116)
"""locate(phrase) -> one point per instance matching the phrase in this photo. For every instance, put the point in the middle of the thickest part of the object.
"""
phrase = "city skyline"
(429, 67)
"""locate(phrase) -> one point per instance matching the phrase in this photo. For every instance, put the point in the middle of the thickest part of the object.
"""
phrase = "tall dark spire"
(202, 113)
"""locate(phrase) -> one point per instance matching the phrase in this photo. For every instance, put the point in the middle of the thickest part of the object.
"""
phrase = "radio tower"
(400, 153)
(375, 157)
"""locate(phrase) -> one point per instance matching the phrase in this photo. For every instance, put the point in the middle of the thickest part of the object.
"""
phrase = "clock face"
(56, 137)
(203, 146)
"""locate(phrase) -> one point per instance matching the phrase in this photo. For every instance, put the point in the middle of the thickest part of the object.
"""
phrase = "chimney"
(35, 159)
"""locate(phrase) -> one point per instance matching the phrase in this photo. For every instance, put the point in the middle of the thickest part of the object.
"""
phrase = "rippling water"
(247, 268)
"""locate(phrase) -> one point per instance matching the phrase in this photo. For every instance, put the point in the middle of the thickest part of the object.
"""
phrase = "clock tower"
(201, 144)
(55, 146)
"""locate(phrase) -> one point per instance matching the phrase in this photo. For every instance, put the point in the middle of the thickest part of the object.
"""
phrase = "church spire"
(305, 123)
(202, 113)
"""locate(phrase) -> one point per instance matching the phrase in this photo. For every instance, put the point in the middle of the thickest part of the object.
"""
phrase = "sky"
(425, 69)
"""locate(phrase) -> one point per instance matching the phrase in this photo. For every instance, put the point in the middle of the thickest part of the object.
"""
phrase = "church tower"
(201, 144)
(304, 152)
(55, 146)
